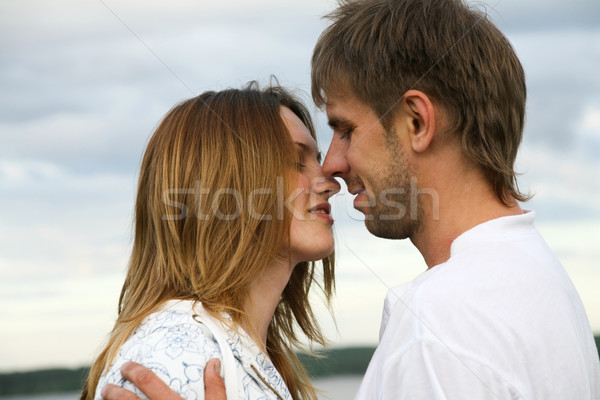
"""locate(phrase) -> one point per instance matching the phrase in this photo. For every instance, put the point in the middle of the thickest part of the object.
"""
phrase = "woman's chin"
(317, 254)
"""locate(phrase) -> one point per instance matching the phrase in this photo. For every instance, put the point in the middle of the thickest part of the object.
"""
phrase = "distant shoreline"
(338, 361)
(328, 363)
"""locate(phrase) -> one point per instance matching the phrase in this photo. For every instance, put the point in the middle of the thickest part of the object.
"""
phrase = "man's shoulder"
(511, 238)
(483, 289)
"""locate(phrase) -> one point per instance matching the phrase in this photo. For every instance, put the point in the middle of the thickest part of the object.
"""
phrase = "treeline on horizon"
(342, 361)
(339, 361)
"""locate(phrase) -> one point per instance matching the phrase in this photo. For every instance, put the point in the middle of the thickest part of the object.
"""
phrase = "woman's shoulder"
(172, 344)
(170, 333)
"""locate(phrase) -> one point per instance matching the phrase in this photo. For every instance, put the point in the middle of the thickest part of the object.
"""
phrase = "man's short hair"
(377, 50)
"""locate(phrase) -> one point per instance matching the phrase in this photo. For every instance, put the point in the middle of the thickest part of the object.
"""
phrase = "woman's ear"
(421, 119)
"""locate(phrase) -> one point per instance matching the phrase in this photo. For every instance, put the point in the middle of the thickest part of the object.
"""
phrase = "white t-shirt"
(499, 320)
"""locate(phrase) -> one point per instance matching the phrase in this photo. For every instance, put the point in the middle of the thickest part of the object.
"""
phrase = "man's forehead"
(338, 104)
(345, 106)
(337, 92)
(337, 114)
(349, 112)
(333, 97)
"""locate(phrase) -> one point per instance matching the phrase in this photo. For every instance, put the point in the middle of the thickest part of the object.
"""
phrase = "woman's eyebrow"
(309, 150)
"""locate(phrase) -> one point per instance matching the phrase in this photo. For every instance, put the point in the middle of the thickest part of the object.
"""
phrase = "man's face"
(373, 164)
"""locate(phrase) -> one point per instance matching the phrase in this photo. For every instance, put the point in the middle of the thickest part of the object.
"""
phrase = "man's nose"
(335, 163)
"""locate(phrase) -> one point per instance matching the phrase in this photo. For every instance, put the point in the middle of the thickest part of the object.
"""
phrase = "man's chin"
(394, 230)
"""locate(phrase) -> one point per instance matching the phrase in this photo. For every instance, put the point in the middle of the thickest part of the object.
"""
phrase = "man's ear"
(420, 115)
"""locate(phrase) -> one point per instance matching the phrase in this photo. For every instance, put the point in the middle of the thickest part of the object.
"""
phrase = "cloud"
(562, 85)
(56, 223)
(84, 92)
(81, 94)
(540, 15)
(75, 314)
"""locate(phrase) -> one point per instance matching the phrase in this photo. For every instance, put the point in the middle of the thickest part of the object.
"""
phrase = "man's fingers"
(113, 392)
(214, 386)
(145, 380)
(153, 387)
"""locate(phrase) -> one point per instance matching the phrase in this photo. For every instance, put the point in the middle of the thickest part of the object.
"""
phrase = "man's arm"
(153, 387)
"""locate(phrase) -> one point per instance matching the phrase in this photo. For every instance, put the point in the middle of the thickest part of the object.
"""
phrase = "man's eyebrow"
(338, 122)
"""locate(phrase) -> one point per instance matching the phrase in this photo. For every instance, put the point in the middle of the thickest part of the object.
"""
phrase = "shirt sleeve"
(431, 370)
(176, 354)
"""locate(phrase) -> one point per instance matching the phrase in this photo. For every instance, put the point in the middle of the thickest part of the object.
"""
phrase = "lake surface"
(335, 388)
(338, 387)
(53, 396)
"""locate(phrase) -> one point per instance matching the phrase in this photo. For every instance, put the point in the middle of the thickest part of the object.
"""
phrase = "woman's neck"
(265, 294)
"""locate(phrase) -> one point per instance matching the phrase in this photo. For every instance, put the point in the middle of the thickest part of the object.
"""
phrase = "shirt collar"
(498, 229)
(256, 363)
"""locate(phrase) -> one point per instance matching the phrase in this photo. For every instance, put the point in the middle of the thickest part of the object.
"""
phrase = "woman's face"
(311, 238)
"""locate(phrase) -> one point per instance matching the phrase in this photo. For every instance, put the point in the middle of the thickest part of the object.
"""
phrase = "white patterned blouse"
(177, 341)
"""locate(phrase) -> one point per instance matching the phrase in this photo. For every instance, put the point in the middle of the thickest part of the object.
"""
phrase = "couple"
(426, 99)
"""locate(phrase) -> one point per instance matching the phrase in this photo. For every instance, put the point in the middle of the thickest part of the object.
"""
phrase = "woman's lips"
(322, 211)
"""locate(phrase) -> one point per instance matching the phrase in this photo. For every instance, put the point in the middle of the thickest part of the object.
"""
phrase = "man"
(427, 101)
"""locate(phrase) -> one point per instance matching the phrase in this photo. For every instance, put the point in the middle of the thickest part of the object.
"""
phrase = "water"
(53, 396)
(338, 387)
(334, 388)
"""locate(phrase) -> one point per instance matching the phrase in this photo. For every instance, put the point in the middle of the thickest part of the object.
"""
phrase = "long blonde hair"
(222, 146)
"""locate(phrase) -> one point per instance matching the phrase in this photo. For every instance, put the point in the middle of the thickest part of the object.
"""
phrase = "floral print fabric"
(176, 347)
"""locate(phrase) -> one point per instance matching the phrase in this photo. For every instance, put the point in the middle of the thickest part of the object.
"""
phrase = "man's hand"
(214, 385)
(153, 387)
(145, 380)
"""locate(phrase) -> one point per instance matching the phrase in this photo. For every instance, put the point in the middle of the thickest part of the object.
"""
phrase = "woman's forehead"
(299, 132)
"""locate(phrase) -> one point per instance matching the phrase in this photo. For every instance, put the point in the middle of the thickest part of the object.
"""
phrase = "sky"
(84, 83)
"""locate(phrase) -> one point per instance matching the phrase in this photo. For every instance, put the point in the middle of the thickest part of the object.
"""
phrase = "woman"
(231, 213)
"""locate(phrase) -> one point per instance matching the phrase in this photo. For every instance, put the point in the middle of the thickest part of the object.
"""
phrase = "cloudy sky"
(85, 82)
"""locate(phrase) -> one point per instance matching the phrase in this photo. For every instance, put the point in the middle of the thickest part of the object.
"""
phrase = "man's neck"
(459, 211)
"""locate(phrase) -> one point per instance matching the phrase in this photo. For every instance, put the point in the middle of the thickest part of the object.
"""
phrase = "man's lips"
(356, 191)
(361, 200)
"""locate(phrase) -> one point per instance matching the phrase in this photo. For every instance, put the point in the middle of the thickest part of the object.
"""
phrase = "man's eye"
(345, 135)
